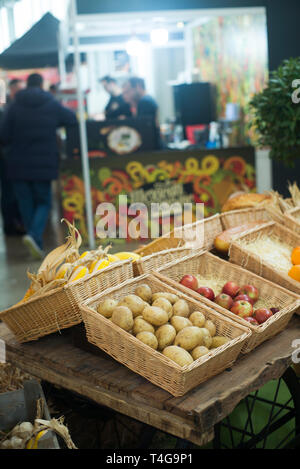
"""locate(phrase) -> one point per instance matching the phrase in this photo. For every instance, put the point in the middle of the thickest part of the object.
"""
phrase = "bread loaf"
(245, 201)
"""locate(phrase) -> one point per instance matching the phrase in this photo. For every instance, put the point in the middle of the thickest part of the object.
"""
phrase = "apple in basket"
(224, 300)
(243, 297)
(231, 289)
(207, 292)
(189, 281)
(251, 291)
(251, 320)
(242, 308)
(262, 315)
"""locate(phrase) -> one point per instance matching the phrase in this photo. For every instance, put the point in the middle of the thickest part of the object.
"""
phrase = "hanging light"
(134, 46)
(159, 36)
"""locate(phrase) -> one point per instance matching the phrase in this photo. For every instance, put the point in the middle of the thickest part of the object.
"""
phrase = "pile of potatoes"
(163, 321)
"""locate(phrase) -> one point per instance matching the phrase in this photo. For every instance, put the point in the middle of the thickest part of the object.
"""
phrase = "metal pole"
(83, 133)
(61, 56)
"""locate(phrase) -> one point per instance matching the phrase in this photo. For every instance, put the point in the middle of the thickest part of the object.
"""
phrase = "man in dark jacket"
(29, 128)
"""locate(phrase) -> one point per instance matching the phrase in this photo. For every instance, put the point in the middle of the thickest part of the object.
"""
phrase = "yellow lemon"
(127, 255)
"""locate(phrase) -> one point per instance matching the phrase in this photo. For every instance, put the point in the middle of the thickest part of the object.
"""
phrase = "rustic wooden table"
(106, 382)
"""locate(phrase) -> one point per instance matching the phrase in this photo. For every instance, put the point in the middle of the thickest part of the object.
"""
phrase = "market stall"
(195, 176)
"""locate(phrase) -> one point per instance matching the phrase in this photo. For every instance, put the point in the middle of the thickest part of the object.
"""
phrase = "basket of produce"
(64, 279)
(162, 334)
(186, 237)
(292, 220)
(271, 251)
(238, 294)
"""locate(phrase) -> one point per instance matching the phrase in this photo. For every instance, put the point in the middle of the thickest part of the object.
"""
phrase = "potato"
(189, 337)
(199, 351)
(169, 296)
(197, 318)
(134, 303)
(122, 316)
(165, 304)
(219, 340)
(206, 339)
(165, 335)
(140, 325)
(106, 307)
(178, 355)
(210, 326)
(148, 338)
(156, 316)
(179, 322)
(144, 292)
(181, 308)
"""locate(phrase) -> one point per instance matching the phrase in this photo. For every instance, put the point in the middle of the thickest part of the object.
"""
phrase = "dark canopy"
(36, 49)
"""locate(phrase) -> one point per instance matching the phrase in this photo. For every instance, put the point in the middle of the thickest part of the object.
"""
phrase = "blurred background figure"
(116, 107)
(142, 104)
(14, 86)
(29, 129)
(53, 90)
(12, 222)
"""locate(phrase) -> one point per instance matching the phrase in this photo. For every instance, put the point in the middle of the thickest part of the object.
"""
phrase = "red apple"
(261, 315)
(231, 289)
(207, 292)
(242, 308)
(189, 281)
(243, 297)
(251, 320)
(224, 300)
(251, 291)
(274, 310)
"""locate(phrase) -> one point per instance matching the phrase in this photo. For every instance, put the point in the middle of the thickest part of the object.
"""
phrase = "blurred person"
(12, 222)
(29, 130)
(116, 106)
(53, 90)
(14, 86)
(142, 104)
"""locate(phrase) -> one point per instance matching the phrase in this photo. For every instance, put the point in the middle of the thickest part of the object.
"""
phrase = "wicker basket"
(150, 363)
(242, 216)
(154, 261)
(292, 220)
(239, 255)
(212, 227)
(209, 266)
(59, 308)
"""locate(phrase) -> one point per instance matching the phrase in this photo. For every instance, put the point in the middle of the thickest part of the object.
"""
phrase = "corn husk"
(39, 429)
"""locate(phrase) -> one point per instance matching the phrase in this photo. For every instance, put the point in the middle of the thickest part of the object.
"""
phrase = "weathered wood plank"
(107, 382)
(215, 399)
(157, 418)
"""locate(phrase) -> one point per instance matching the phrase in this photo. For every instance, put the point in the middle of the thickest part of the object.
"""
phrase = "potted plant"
(276, 116)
